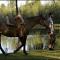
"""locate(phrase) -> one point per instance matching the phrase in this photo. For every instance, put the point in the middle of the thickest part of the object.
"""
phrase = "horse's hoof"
(51, 49)
(14, 52)
(25, 53)
(5, 54)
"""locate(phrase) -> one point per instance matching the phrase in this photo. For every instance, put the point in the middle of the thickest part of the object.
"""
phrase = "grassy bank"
(36, 55)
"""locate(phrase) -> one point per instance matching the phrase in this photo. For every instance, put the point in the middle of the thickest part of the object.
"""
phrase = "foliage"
(31, 9)
(35, 8)
(8, 9)
(57, 46)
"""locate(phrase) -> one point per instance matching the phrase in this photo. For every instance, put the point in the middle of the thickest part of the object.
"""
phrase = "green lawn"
(33, 55)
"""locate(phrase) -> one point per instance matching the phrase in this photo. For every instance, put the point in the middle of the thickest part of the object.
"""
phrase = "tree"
(12, 5)
(3, 9)
(16, 8)
(31, 9)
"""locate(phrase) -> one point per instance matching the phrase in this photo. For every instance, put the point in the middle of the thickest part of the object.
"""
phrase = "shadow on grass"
(21, 56)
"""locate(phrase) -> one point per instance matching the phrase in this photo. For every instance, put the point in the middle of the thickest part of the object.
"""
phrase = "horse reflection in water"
(21, 30)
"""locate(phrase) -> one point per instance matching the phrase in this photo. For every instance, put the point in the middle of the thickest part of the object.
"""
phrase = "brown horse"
(21, 29)
(29, 24)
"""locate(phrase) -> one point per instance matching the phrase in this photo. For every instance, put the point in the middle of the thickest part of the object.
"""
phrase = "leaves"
(31, 9)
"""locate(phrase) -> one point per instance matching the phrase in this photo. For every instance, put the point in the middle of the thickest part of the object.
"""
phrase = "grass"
(33, 55)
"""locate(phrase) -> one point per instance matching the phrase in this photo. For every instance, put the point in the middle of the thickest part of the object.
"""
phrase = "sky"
(19, 3)
(22, 2)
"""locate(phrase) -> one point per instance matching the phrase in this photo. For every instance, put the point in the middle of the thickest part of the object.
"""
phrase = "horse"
(31, 22)
(21, 29)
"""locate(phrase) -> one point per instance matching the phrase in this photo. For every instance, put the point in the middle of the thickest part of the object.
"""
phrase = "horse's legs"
(23, 43)
(18, 49)
(1, 46)
(52, 41)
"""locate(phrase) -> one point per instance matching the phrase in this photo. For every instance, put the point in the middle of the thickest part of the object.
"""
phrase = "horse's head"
(43, 21)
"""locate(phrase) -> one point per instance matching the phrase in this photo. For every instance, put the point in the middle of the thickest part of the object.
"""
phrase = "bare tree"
(16, 7)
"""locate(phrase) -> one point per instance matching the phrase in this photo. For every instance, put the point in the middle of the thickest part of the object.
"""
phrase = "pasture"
(33, 55)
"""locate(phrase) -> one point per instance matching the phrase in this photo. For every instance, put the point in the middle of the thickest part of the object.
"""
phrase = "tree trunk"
(16, 8)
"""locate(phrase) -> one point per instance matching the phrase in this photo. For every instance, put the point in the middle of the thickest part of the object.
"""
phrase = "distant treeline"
(32, 9)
